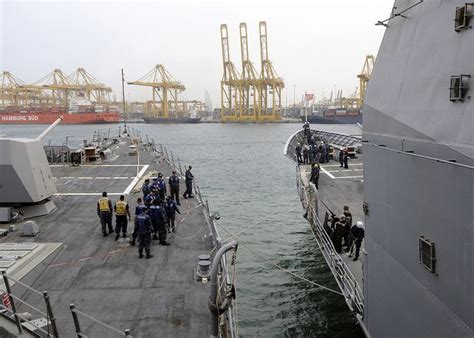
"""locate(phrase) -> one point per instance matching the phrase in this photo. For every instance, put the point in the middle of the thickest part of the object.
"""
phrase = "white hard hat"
(360, 224)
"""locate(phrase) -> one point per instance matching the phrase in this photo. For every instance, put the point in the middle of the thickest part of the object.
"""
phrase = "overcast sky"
(314, 45)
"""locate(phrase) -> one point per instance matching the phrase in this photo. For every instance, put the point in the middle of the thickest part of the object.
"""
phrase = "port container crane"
(165, 90)
(12, 93)
(93, 90)
(231, 84)
(271, 84)
(250, 99)
(364, 76)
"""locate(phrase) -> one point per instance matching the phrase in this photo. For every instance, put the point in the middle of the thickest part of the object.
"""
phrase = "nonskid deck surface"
(103, 277)
(339, 187)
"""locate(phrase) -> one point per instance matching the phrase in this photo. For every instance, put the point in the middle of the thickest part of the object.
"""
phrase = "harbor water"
(245, 177)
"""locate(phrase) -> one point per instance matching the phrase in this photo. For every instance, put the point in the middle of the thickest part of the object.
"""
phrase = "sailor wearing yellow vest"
(121, 212)
(104, 210)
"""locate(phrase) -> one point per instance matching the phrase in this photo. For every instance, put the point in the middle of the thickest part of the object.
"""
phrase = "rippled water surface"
(242, 172)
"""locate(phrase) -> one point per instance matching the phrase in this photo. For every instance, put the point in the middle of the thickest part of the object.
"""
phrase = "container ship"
(78, 112)
(333, 115)
(191, 117)
(79, 98)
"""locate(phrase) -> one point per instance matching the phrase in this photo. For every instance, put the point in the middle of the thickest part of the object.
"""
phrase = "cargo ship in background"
(191, 117)
(80, 111)
(333, 115)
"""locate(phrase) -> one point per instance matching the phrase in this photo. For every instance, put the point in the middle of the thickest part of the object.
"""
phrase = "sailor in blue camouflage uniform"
(138, 210)
(143, 229)
(150, 198)
(146, 188)
(173, 182)
(158, 220)
(171, 209)
(189, 183)
(161, 187)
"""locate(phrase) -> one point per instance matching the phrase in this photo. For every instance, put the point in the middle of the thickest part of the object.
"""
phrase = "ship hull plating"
(48, 118)
(419, 177)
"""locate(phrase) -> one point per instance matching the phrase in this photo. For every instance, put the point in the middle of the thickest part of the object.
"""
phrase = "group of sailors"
(308, 151)
(343, 233)
(155, 213)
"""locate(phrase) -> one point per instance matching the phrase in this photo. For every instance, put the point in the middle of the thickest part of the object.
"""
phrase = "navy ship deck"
(104, 278)
(337, 187)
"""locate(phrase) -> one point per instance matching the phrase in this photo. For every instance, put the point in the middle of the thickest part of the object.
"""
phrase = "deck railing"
(76, 315)
(50, 329)
(22, 319)
(230, 317)
(343, 275)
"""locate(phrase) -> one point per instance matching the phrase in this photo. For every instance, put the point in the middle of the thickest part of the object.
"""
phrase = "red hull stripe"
(48, 118)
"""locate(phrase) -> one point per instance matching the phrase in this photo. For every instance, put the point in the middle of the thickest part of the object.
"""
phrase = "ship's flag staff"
(307, 97)
(124, 106)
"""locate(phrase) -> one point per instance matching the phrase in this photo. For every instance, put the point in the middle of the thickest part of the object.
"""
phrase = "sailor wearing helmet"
(358, 231)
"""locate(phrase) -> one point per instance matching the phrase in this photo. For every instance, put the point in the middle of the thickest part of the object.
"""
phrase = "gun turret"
(47, 130)
(26, 182)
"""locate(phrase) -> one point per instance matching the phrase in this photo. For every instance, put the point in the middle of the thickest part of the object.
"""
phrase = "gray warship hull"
(419, 175)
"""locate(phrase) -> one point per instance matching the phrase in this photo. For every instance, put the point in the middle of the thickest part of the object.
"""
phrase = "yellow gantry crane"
(57, 85)
(364, 76)
(271, 84)
(165, 90)
(93, 90)
(250, 98)
(12, 93)
(231, 84)
(53, 89)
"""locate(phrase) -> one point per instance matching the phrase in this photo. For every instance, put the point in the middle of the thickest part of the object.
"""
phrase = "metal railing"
(75, 316)
(51, 329)
(230, 317)
(336, 140)
(345, 279)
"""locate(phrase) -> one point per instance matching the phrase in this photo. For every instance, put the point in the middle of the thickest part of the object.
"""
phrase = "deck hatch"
(462, 17)
(459, 87)
(427, 254)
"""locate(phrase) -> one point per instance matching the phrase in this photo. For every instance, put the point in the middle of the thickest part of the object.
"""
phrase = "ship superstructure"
(419, 175)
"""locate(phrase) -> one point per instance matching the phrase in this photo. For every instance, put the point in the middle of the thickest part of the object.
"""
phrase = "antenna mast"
(124, 106)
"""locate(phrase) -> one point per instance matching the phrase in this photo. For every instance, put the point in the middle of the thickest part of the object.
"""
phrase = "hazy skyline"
(317, 45)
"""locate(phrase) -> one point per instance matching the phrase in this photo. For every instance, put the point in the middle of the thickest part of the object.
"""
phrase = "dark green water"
(242, 172)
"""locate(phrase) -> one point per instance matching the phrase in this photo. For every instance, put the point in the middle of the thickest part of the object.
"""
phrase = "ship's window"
(427, 254)
(459, 87)
(462, 17)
